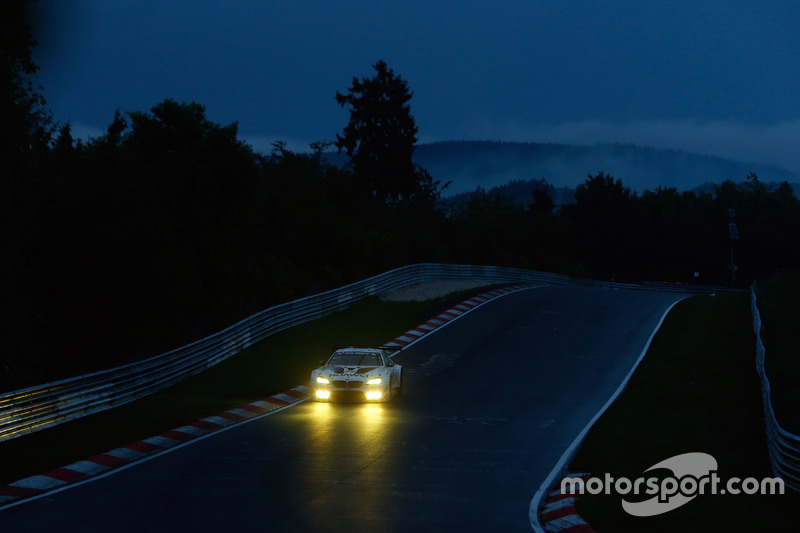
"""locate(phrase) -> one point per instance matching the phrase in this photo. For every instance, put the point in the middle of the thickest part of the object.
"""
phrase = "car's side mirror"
(390, 363)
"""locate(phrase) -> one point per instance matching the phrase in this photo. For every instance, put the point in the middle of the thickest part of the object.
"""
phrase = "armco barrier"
(784, 447)
(27, 410)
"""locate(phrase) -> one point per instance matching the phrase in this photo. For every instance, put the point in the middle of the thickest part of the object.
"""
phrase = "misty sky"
(717, 77)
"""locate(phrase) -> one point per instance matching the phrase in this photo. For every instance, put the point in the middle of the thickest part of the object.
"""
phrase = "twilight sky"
(718, 77)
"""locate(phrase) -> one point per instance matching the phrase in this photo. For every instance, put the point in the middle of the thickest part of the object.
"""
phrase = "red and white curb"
(559, 514)
(117, 458)
(120, 458)
(413, 335)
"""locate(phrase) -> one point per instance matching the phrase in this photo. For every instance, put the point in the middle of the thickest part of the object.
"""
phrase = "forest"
(169, 227)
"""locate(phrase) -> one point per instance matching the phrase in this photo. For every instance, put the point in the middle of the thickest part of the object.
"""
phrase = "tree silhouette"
(380, 140)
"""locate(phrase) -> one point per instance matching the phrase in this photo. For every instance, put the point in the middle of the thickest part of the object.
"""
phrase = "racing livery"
(358, 373)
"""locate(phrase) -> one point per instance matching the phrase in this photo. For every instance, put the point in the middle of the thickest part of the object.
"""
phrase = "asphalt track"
(490, 403)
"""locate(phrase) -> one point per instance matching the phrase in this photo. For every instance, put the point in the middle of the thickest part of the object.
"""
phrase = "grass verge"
(779, 304)
(697, 390)
(280, 362)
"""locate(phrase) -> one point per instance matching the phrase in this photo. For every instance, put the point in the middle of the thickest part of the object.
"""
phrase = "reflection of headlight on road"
(324, 380)
(374, 381)
(323, 394)
(374, 395)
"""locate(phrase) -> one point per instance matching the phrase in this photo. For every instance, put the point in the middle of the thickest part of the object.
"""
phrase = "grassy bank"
(274, 365)
(779, 304)
(697, 390)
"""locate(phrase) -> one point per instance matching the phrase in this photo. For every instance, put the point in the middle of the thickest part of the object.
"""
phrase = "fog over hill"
(472, 164)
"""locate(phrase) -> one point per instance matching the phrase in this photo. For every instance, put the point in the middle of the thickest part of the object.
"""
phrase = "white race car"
(358, 373)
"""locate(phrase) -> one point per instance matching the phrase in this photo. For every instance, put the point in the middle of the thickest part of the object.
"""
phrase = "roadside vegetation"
(779, 304)
(696, 390)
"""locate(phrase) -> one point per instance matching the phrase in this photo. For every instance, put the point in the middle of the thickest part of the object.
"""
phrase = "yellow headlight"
(324, 380)
(374, 381)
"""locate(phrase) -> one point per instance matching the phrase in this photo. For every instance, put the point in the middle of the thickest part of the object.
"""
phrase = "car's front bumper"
(364, 393)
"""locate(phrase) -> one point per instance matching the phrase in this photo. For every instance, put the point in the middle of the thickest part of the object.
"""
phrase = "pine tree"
(380, 140)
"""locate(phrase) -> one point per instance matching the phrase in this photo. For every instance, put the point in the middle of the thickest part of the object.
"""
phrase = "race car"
(357, 374)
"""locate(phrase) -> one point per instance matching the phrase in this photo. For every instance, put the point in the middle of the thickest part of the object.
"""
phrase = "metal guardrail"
(784, 447)
(31, 409)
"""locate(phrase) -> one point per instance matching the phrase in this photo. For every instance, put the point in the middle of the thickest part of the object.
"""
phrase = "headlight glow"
(324, 380)
(323, 394)
(374, 381)
(375, 395)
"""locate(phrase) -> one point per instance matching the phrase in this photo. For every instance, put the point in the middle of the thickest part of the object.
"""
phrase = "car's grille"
(342, 384)
(347, 396)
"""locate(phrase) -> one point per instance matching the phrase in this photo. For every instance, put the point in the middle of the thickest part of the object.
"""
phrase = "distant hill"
(518, 191)
(486, 164)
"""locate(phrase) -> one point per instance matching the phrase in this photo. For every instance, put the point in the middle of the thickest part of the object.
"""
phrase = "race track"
(490, 403)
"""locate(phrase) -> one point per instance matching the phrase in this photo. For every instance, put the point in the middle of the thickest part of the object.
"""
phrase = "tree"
(602, 194)
(542, 200)
(24, 140)
(26, 120)
(380, 140)
(605, 225)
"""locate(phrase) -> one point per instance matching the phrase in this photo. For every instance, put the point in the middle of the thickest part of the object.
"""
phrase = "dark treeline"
(168, 227)
(610, 233)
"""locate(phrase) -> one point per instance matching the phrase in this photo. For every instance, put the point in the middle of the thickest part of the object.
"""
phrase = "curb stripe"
(143, 447)
(218, 420)
(558, 496)
(295, 393)
(65, 474)
(233, 417)
(559, 514)
(559, 504)
(263, 405)
(39, 482)
(126, 454)
(15, 491)
(276, 402)
(163, 442)
(178, 435)
(207, 425)
(241, 412)
(87, 467)
(288, 398)
(562, 525)
(107, 460)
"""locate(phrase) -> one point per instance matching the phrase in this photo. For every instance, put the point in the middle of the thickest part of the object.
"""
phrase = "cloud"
(771, 144)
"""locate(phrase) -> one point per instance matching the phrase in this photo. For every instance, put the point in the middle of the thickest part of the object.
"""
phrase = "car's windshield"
(355, 359)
